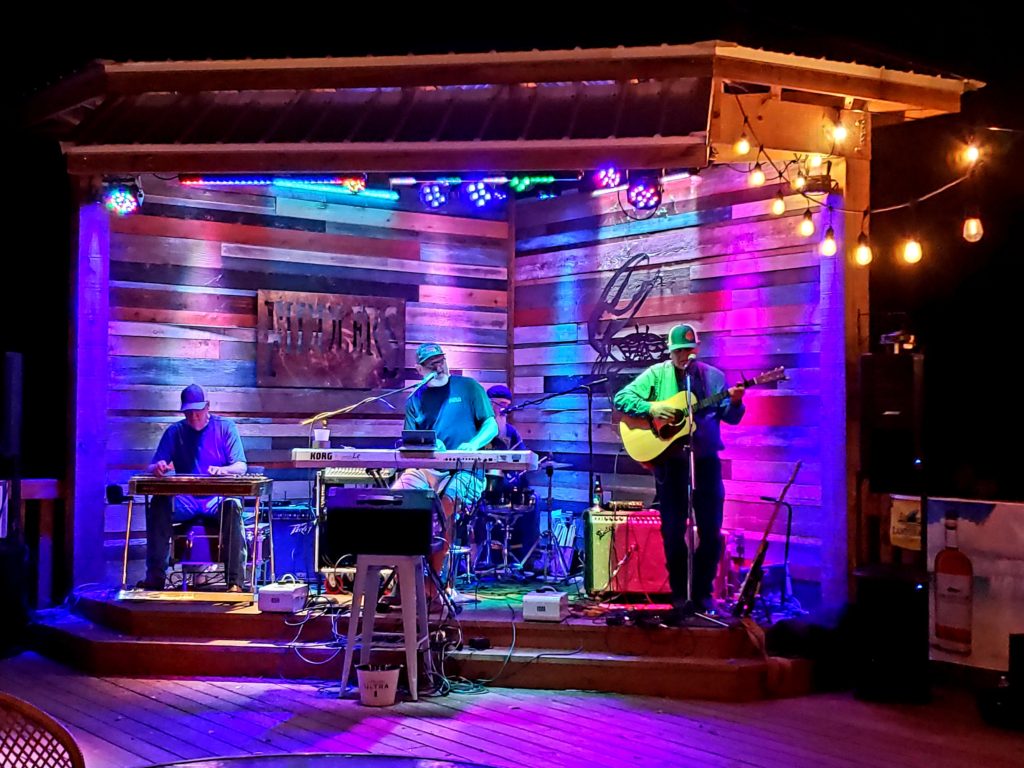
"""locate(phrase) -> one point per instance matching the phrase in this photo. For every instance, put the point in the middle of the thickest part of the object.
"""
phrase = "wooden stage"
(101, 634)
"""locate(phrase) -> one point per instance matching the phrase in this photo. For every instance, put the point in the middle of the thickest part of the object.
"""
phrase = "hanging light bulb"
(971, 153)
(814, 162)
(912, 251)
(973, 230)
(863, 253)
(806, 226)
(742, 145)
(799, 181)
(756, 177)
(828, 246)
(839, 133)
(779, 204)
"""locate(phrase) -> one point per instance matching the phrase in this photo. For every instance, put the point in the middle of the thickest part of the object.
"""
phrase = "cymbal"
(545, 463)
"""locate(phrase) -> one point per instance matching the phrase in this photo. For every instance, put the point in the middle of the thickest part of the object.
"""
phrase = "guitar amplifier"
(625, 553)
(294, 527)
(377, 521)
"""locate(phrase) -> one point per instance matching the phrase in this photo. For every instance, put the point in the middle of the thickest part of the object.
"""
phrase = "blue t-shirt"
(193, 453)
(455, 411)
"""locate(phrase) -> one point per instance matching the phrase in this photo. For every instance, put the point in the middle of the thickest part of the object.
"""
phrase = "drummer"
(506, 489)
(508, 438)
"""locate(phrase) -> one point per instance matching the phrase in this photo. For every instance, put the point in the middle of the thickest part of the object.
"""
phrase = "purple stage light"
(607, 177)
(644, 193)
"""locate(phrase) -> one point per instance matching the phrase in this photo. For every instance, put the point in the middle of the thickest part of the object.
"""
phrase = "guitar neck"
(713, 400)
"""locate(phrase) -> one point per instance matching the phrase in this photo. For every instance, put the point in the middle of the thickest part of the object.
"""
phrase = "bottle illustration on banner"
(954, 594)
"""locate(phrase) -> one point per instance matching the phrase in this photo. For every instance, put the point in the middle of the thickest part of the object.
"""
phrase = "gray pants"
(161, 515)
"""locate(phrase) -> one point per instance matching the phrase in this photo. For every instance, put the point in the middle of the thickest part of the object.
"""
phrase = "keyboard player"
(198, 444)
(457, 409)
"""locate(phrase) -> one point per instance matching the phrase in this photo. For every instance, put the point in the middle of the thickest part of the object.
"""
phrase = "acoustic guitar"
(647, 438)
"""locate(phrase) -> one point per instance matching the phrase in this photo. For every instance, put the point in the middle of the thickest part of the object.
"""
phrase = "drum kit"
(503, 520)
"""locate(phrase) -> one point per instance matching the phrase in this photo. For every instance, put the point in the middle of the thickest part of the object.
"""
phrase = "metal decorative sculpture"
(631, 350)
(329, 340)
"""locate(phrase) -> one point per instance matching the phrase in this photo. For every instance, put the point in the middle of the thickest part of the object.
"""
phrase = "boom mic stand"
(549, 534)
(323, 416)
(691, 517)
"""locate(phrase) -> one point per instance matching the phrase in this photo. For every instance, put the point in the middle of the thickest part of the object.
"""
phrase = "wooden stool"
(365, 594)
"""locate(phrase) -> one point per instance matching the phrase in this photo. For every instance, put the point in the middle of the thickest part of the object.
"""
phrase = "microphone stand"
(315, 500)
(691, 517)
(589, 388)
(325, 415)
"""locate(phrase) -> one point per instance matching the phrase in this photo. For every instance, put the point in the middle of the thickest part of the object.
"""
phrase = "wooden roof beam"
(883, 89)
(461, 156)
(653, 62)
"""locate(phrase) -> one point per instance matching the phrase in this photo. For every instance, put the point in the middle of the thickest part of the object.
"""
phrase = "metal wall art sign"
(329, 340)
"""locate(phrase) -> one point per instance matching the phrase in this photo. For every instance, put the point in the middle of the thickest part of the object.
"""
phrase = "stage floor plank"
(128, 722)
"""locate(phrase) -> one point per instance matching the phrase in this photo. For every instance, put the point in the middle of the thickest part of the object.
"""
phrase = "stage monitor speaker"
(625, 553)
(294, 538)
(890, 635)
(1015, 675)
(892, 403)
(10, 404)
(377, 521)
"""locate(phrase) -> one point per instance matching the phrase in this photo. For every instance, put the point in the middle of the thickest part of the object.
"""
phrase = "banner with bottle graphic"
(976, 558)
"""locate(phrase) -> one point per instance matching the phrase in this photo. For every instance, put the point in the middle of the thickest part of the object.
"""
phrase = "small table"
(319, 760)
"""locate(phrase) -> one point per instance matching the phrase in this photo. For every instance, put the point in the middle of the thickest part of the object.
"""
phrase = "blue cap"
(426, 351)
(193, 398)
(499, 391)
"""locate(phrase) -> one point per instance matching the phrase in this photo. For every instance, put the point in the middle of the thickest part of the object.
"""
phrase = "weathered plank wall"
(719, 259)
(183, 280)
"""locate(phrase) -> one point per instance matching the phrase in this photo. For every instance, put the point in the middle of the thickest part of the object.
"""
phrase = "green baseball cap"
(682, 336)
(426, 351)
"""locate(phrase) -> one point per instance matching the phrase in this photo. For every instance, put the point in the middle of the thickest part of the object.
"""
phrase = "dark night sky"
(960, 300)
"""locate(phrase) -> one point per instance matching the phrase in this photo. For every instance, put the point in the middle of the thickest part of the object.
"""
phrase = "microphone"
(595, 382)
(426, 380)
(689, 362)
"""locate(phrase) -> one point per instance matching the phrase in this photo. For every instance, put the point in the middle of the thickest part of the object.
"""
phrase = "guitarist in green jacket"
(641, 398)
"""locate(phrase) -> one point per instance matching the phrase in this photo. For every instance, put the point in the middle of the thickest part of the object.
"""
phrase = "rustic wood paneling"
(745, 278)
(183, 283)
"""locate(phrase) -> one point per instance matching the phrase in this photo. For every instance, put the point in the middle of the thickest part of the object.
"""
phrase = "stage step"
(227, 621)
(570, 656)
(679, 677)
(87, 646)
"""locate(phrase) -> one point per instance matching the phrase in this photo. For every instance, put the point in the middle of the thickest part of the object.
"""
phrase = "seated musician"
(456, 408)
(199, 444)
(508, 437)
(505, 488)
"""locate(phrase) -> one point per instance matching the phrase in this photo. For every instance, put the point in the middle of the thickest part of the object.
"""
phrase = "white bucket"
(378, 684)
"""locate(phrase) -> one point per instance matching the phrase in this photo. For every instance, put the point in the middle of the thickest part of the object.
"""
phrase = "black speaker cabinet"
(377, 521)
(294, 538)
(10, 404)
(890, 627)
(892, 403)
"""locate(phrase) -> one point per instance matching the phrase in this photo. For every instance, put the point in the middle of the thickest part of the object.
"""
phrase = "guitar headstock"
(770, 377)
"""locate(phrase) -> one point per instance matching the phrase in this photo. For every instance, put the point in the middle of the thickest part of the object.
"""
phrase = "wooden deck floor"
(139, 721)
